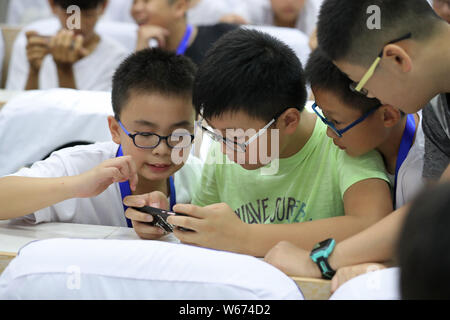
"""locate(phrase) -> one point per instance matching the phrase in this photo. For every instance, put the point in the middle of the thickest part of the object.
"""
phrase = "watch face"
(321, 246)
(325, 243)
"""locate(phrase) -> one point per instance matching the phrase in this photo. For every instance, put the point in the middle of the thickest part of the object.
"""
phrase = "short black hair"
(322, 74)
(424, 246)
(82, 4)
(251, 71)
(152, 71)
(343, 32)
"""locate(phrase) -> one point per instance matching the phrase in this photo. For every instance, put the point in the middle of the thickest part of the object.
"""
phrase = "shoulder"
(219, 28)
(81, 158)
(71, 161)
(192, 169)
(110, 49)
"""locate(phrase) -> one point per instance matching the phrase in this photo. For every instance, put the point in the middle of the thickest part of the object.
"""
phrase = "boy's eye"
(335, 122)
(145, 134)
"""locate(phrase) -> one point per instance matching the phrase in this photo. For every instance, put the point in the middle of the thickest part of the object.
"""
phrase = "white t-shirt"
(106, 208)
(22, 12)
(260, 12)
(2, 54)
(209, 12)
(410, 181)
(93, 72)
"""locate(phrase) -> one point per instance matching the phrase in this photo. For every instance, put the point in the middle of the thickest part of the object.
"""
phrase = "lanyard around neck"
(125, 191)
(405, 146)
(182, 47)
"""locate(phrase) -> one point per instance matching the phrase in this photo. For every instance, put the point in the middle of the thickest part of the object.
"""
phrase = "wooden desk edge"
(8, 254)
(311, 280)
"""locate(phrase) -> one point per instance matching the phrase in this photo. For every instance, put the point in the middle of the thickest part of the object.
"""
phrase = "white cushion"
(376, 285)
(119, 269)
(294, 38)
(34, 123)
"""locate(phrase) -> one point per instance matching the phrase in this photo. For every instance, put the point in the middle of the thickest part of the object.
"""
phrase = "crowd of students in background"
(361, 178)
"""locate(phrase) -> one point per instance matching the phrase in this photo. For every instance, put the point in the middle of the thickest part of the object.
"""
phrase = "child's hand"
(37, 48)
(141, 220)
(66, 48)
(233, 18)
(148, 32)
(216, 226)
(313, 40)
(346, 273)
(292, 260)
(97, 180)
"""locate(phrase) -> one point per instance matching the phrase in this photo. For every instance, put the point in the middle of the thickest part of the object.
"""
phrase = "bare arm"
(66, 76)
(20, 196)
(32, 80)
(377, 243)
(218, 226)
(37, 49)
(67, 49)
(365, 202)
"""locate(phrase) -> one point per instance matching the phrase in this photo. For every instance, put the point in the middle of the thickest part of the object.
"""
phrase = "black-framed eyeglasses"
(232, 144)
(359, 87)
(340, 132)
(150, 140)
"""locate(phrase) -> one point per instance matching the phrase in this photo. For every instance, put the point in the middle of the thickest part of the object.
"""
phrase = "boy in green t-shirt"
(304, 189)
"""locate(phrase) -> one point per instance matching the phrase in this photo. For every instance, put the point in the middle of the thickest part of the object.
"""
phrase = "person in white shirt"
(359, 124)
(209, 12)
(23, 12)
(2, 54)
(298, 14)
(152, 131)
(76, 57)
(442, 8)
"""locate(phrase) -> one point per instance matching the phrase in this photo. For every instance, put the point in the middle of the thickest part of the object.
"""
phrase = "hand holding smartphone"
(160, 217)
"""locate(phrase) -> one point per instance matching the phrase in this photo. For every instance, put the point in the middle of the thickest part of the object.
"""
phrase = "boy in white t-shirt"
(152, 132)
(358, 124)
(298, 14)
(76, 57)
(2, 54)
(397, 136)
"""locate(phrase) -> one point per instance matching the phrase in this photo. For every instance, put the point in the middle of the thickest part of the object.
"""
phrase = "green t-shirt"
(308, 186)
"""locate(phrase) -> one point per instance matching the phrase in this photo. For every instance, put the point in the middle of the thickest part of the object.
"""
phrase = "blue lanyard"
(125, 191)
(405, 146)
(182, 47)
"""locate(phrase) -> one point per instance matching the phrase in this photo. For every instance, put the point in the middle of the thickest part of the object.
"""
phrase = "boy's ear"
(114, 128)
(391, 115)
(181, 7)
(397, 57)
(104, 6)
(52, 5)
(289, 120)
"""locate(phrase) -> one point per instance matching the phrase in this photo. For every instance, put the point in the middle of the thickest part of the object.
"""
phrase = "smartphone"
(48, 39)
(45, 38)
(160, 217)
(153, 43)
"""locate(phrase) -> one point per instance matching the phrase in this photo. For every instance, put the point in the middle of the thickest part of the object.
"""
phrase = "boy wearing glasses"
(152, 135)
(359, 124)
(251, 93)
(405, 64)
(75, 57)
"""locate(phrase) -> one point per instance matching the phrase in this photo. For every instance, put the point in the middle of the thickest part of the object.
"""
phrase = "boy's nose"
(137, 7)
(162, 149)
(331, 134)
